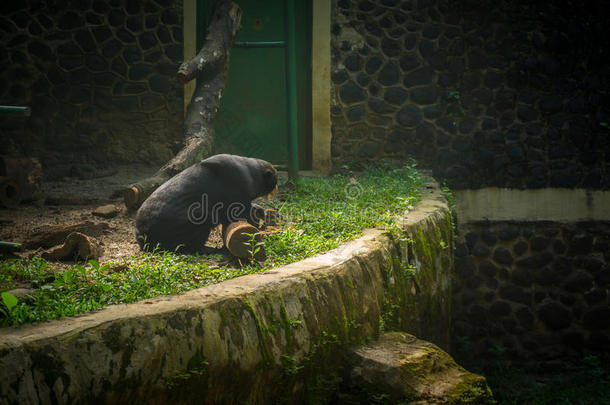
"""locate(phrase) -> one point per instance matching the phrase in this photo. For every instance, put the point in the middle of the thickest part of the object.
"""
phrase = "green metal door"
(252, 119)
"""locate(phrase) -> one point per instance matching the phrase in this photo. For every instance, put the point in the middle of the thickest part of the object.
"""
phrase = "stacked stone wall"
(98, 76)
(487, 93)
(540, 290)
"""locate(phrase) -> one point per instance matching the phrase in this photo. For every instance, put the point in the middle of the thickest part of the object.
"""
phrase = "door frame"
(320, 76)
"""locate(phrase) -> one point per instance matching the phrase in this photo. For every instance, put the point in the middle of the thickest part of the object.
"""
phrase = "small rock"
(21, 292)
(403, 367)
(106, 211)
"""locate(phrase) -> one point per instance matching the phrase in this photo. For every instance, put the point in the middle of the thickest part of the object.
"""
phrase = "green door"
(252, 119)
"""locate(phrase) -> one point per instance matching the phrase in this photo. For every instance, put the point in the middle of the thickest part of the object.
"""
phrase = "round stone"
(410, 41)
(135, 88)
(351, 93)
(409, 62)
(425, 95)
(101, 34)
(580, 282)
(448, 124)
(69, 49)
(409, 116)
(96, 63)
(363, 80)
(85, 40)
(500, 308)
(139, 71)
(70, 20)
(379, 106)
(431, 31)
(70, 62)
(390, 48)
(174, 52)
(522, 277)
(373, 64)
(551, 103)
(147, 40)
(502, 256)
(527, 114)
(352, 63)
(395, 95)
(525, 317)
(554, 315)
(111, 48)
(134, 24)
(419, 77)
(373, 29)
(40, 50)
(339, 76)
(125, 36)
(487, 268)
(355, 113)
(426, 48)
(132, 6)
(400, 135)
(116, 18)
(159, 83)
(515, 294)
(388, 75)
(170, 17)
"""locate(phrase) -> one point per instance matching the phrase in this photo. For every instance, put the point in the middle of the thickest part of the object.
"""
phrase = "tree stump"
(238, 239)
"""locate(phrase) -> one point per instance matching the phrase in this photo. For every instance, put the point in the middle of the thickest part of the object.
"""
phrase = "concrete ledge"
(547, 204)
(235, 341)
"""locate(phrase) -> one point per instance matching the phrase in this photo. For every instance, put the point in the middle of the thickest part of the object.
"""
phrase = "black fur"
(179, 213)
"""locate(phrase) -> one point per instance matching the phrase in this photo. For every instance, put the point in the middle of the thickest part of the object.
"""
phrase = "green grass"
(319, 214)
(577, 383)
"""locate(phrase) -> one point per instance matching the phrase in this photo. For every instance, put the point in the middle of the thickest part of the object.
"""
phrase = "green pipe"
(13, 110)
(291, 90)
(10, 247)
(260, 44)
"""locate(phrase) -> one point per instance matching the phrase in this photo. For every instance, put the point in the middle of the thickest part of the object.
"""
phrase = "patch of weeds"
(576, 383)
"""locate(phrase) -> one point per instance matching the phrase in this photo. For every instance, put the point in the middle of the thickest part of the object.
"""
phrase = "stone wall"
(99, 77)
(487, 93)
(540, 290)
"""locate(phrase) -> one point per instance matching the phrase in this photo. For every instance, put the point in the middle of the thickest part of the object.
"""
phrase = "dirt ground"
(73, 200)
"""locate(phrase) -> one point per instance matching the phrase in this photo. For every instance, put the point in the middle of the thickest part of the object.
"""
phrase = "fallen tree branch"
(210, 66)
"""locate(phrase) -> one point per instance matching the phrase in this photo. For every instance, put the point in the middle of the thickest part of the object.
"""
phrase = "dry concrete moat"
(281, 336)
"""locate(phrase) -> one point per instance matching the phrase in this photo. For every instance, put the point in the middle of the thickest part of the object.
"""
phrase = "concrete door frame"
(320, 76)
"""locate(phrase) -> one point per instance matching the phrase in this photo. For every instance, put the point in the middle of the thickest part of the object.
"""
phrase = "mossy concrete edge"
(232, 342)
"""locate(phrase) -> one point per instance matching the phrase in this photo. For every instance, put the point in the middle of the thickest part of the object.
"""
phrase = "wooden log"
(52, 235)
(9, 247)
(210, 66)
(26, 172)
(238, 241)
(76, 246)
(218, 45)
(10, 193)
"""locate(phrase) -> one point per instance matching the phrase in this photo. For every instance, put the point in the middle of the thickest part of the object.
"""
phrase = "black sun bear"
(180, 214)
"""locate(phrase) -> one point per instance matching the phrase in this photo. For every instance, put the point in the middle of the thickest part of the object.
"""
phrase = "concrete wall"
(99, 78)
(246, 340)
